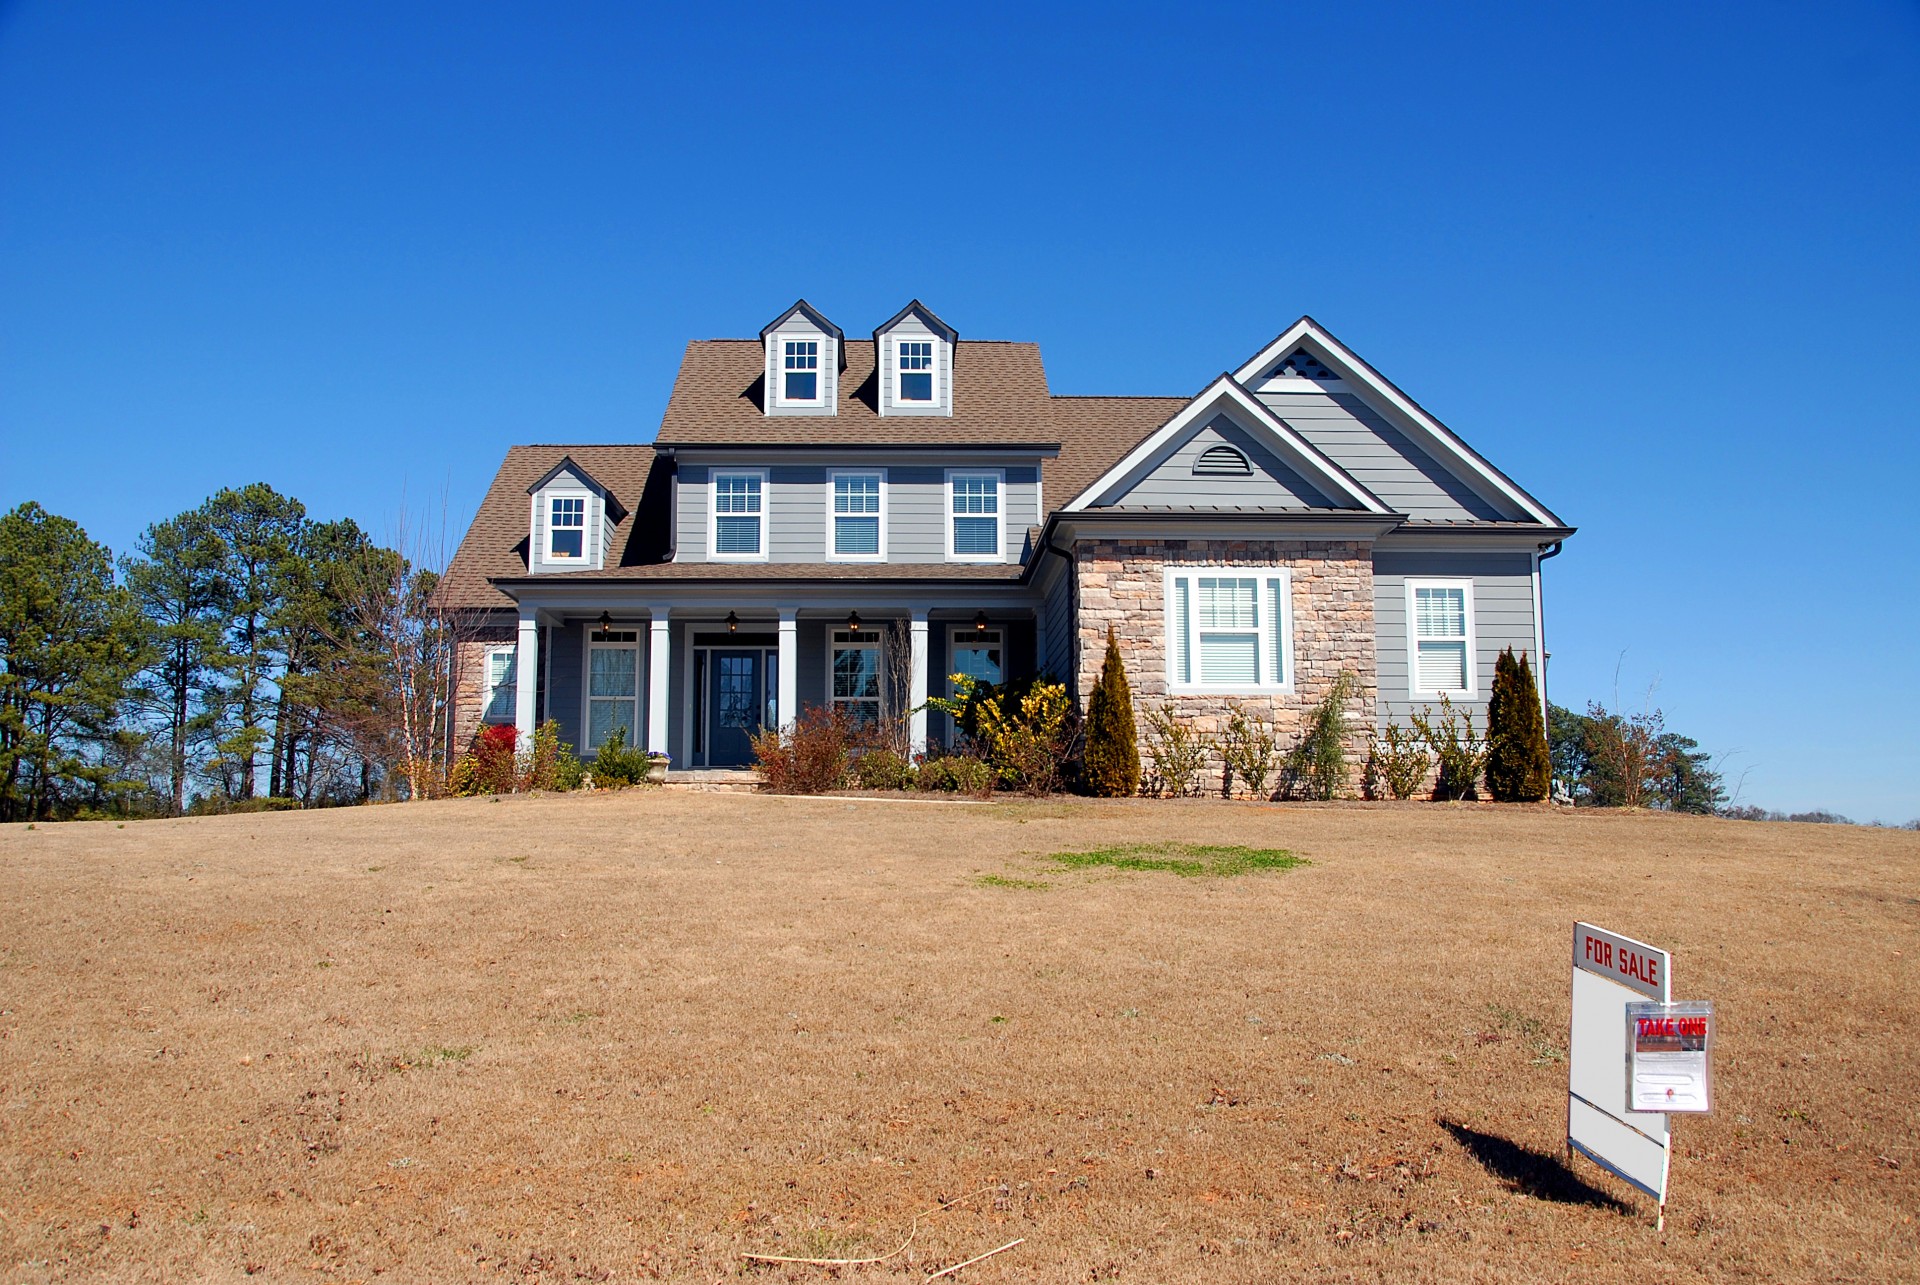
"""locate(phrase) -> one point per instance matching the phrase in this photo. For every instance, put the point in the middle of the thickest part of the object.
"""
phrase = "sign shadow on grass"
(1533, 1173)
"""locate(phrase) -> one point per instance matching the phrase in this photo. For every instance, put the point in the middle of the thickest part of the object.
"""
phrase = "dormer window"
(800, 372)
(913, 358)
(567, 532)
(913, 371)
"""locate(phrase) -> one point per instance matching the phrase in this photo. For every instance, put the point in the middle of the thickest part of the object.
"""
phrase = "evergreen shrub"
(1113, 747)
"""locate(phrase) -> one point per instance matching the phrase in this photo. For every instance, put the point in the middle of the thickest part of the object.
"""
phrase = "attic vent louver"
(1303, 365)
(1221, 461)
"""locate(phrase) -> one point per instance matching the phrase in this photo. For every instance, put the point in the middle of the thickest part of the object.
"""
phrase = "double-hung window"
(855, 680)
(800, 371)
(913, 371)
(738, 514)
(502, 669)
(856, 516)
(567, 528)
(974, 516)
(1440, 637)
(1229, 629)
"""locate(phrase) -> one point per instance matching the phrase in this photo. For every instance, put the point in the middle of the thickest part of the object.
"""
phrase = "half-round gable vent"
(1303, 365)
(1222, 461)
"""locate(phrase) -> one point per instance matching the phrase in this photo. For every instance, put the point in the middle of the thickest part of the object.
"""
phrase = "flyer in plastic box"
(1669, 1049)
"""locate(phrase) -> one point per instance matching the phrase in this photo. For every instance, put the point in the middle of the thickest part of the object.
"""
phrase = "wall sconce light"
(606, 624)
(733, 623)
(853, 621)
(979, 620)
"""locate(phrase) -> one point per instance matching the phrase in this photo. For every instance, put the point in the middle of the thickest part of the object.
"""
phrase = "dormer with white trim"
(571, 521)
(805, 355)
(913, 358)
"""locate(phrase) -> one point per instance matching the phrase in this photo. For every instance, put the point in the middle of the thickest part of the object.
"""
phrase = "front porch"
(698, 680)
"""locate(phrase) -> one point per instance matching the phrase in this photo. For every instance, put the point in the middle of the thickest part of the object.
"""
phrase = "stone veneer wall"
(1122, 583)
(470, 679)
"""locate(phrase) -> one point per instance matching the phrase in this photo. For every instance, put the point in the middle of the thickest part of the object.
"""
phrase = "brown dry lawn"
(631, 1036)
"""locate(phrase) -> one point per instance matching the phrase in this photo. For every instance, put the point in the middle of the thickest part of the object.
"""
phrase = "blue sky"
(1659, 262)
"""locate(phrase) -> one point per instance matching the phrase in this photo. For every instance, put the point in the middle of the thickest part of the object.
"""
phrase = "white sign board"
(1609, 973)
(1668, 1051)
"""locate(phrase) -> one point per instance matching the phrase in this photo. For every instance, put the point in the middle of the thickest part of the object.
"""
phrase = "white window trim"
(713, 514)
(833, 556)
(1472, 689)
(999, 517)
(1281, 604)
(621, 635)
(489, 687)
(586, 525)
(878, 646)
(780, 343)
(933, 402)
(968, 636)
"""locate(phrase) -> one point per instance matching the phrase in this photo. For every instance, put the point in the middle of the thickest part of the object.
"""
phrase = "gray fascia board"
(1508, 538)
(617, 595)
(1149, 525)
(1045, 450)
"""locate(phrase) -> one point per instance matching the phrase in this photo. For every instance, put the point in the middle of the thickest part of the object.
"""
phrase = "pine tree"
(1519, 765)
(1113, 751)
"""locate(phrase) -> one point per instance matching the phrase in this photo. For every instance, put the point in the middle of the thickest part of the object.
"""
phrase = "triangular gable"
(615, 510)
(927, 318)
(808, 311)
(1447, 449)
(1226, 395)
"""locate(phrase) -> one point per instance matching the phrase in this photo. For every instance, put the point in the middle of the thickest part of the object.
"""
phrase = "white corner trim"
(713, 514)
(1414, 691)
(1433, 436)
(1000, 514)
(1254, 418)
(833, 556)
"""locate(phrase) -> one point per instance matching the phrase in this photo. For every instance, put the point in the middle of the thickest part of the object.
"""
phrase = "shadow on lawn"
(1533, 1173)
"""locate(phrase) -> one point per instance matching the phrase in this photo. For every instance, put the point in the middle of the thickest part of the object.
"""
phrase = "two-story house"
(808, 493)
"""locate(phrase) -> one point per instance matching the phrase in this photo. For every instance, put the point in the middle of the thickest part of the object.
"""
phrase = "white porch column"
(917, 680)
(787, 698)
(526, 675)
(658, 657)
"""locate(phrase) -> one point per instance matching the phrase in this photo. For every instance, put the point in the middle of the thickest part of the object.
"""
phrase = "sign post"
(1610, 973)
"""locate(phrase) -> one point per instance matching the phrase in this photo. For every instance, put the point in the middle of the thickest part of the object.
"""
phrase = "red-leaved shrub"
(812, 757)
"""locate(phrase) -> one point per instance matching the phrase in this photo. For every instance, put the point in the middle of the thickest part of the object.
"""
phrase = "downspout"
(1073, 611)
(673, 505)
(1539, 619)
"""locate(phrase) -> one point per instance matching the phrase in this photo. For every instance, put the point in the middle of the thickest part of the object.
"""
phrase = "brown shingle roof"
(1095, 433)
(496, 543)
(999, 396)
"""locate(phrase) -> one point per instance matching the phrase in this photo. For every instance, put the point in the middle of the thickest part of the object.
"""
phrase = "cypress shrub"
(1113, 749)
(1519, 766)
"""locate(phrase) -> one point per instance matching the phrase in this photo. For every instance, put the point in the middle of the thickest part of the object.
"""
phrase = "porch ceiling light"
(733, 623)
(606, 624)
(979, 620)
(853, 621)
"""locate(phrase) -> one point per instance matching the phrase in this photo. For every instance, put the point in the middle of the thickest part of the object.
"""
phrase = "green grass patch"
(1188, 860)
(1007, 881)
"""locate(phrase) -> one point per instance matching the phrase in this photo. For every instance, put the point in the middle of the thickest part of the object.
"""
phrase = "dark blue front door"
(736, 702)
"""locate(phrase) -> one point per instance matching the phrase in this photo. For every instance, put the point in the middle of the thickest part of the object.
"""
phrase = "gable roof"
(999, 398)
(1409, 416)
(933, 322)
(1226, 393)
(615, 509)
(806, 310)
(496, 542)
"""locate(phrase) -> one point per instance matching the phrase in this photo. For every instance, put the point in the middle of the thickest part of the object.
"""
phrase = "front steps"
(714, 779)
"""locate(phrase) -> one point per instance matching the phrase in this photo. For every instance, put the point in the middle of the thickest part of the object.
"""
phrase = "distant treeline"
(244, 656)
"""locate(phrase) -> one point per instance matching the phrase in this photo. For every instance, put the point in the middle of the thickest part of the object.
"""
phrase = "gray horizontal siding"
(1272, 484)
(911, 327)
(1380, 456)
(797, 501)
(1502, 611)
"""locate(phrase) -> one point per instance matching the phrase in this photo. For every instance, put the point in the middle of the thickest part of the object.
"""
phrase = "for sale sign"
(1611, 972)
(1668, 1050)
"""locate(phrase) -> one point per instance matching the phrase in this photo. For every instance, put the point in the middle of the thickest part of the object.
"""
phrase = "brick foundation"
(1122, 583)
